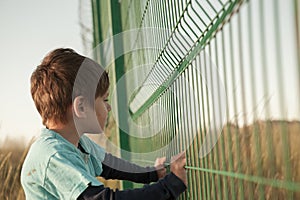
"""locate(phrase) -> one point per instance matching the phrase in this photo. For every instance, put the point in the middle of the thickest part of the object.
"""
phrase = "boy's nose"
(108, 107)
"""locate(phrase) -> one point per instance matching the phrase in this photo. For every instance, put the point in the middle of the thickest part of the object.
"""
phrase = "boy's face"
(102, 108)
(92, 119)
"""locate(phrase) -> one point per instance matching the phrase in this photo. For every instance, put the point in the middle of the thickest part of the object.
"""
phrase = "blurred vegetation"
(12, 155)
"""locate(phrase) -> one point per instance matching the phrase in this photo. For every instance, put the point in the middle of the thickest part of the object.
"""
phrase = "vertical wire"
(199, 135)
(240, 184)
(296, 13)
(177, 14)
(168, 127)
(152, 17)
(151, 115)
(163, 23)
(265, 79)
(162, 129)
(204, 131)
(173, 16)
(211, 155)
(182, 134)
(279, 66)
(173, 124)
(154, 144)
(147, 23)
(208, 157)
(179, 120)
(297, 25)
(147, 57)
(192, 124)
(183, 122)
(255, 131)
(165, 125)
(161, 103)
(169, 26)
(158, 124)
(221, 139)
(229, 139)
(195, 141)
(186, 128)
(171, 114)
(215, 161)
(159, 137)
(243, 98)
(158, 26)
(188, 124)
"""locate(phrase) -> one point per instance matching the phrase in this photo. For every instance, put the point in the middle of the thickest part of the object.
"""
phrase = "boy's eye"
(106, 100)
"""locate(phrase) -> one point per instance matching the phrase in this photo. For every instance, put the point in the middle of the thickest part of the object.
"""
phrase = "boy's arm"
(168, 188)
(116, 168)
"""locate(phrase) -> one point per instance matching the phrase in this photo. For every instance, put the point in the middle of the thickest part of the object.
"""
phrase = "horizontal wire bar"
(288, 185)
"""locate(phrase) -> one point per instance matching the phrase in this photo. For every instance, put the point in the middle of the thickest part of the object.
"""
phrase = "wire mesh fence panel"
(217, 79)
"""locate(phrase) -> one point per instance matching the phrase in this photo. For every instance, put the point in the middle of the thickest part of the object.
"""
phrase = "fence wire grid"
(219, 79)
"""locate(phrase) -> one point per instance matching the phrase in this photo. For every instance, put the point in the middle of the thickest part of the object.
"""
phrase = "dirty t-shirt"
(55, 169)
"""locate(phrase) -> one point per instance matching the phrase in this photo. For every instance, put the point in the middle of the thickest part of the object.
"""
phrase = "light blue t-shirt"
(55, 169)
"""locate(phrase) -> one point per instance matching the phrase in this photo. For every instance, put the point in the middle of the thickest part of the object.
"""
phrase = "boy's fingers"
(178, 156)
(182, 162)
(160, 161)
(182, 154)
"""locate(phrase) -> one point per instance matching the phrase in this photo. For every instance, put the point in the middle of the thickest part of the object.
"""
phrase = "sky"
(28, 31)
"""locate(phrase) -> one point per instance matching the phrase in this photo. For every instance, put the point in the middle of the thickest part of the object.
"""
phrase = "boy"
(63, 163)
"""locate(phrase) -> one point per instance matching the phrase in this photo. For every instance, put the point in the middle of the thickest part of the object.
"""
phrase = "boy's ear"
(80, 107)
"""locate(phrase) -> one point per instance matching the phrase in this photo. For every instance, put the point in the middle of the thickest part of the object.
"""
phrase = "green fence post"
(121, 89)
(97, 34)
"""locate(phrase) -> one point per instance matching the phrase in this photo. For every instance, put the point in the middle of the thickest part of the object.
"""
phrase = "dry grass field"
(12, 155)
(268, 152)
(255, 150)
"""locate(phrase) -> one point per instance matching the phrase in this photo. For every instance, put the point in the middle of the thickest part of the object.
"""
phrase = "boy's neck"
(67, 131)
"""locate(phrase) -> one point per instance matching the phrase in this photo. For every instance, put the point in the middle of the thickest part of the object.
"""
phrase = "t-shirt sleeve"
(167, 188)
(117, 168)
(66, 176)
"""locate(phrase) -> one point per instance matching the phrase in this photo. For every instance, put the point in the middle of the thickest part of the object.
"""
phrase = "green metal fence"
(219, 79)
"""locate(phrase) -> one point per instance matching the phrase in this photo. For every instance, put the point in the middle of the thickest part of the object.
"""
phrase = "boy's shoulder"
(46, 145)
(41, 151)
(50, 142)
